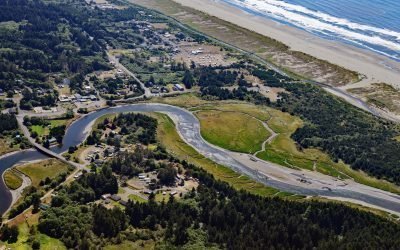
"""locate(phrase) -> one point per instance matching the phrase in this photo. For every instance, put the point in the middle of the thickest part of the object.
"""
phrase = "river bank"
(17, 193)
(267, 173)
(9, 160)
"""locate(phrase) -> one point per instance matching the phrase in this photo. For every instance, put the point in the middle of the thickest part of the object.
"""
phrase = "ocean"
(369, 24)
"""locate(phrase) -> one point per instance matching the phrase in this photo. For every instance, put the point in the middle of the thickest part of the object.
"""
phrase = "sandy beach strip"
(375, 67)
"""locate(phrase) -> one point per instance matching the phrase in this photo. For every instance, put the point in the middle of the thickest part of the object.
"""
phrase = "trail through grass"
(232, 130)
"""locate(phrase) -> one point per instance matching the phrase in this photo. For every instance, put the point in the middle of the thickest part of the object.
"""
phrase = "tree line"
(228, 219)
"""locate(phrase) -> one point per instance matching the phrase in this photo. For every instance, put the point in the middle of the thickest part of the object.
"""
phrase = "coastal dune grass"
(12, 180)
(232, 130)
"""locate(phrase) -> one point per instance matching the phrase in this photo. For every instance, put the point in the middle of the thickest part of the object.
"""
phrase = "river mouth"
(188, 127)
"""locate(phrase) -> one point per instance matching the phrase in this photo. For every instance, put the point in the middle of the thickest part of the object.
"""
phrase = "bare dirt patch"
(202, 55)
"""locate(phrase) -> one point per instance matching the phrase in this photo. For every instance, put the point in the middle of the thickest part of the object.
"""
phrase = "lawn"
(136, 198)
(45, 130)
(167, 135)
(232, 130)
(12, 180)
(40, 170)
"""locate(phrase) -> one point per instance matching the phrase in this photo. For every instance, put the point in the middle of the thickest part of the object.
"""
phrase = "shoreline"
(282, 178)
(375, 67)
(26, 182)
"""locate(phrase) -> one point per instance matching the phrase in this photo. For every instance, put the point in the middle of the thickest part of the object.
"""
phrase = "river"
(188, 127)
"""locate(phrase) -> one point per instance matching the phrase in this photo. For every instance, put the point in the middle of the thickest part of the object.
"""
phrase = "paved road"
(147, 92)
(353, 100)
(42, 149)
(270, 174)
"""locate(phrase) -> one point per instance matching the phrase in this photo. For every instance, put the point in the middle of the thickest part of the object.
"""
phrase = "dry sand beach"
(375, 68)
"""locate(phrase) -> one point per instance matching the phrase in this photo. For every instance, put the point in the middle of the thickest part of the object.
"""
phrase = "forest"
(8, 122)
(43, 39)
(49, 39)
(358, 138)
(340, 129)
(212, 216)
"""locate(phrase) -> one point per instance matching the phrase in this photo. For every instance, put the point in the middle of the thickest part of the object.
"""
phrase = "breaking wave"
(381, 40)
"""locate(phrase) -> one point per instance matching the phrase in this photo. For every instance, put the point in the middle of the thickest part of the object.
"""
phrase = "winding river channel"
(188, 127)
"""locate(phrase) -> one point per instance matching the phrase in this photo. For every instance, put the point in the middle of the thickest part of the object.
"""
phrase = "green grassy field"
(167, 135)
(136, 198)
(12, 180)
(283, 150)
(45, 130)
(40, 170)
(232, 130)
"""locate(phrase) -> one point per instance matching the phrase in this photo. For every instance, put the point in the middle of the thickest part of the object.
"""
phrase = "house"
(123, 203)
(66, 81)
(253, 89)
(105, 196)
(93, 97)
(12, 111)
(44, 207)
(155, 91)
(64, 98)
(164, 90)
(115, 197)
(178, 87)
(98, 162)
(52, 140)
(147, 191)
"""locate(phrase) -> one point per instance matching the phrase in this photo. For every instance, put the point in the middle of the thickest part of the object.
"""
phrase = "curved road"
(295, 181)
